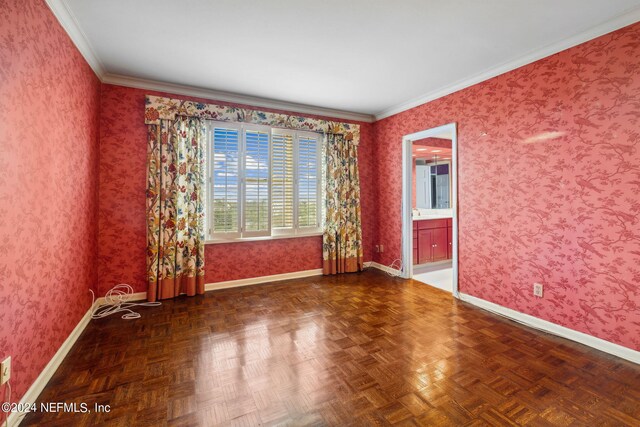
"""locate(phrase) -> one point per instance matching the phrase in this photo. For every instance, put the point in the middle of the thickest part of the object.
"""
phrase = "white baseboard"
(534, 322)
(139, 296)
(608, 347)
(38, 385)
(383, 267)
(262, 279)
(555, 329)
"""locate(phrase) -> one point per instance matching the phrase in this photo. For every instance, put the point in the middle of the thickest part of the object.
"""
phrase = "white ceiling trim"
(216, 95)
(70, 24)
(78, 37)
(627, 18)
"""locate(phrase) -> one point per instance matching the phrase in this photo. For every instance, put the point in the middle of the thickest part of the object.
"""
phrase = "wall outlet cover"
(537, 289)
(5, 370)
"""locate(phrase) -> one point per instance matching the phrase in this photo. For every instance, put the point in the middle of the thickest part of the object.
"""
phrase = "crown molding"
(216, 95)
(627, 18)
(70, 24)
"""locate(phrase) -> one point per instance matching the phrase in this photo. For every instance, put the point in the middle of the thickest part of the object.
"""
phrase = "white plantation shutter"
(282, 181)
(257, 209)
(225, 189)
(308, 180)
(262, 181)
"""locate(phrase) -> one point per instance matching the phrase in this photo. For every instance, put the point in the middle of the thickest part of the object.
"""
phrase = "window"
(262, 182)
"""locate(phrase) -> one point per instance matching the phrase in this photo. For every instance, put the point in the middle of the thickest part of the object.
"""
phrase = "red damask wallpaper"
(549, 177)
(122, 223)
(49, 118)
(549, 161)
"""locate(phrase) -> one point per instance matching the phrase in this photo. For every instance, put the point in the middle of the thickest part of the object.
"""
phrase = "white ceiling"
(367, 56)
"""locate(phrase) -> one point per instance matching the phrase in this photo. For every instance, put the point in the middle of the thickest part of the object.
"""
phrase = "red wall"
(122, 209)
(49, 111)
(563, 211)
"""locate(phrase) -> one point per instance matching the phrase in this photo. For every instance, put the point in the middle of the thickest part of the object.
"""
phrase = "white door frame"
(407, 182)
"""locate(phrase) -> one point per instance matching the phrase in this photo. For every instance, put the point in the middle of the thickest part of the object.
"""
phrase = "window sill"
(260, 239)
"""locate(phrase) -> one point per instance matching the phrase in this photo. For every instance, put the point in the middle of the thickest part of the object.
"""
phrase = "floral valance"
(159, 108)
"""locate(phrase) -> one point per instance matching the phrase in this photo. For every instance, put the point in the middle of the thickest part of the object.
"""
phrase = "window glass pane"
(256, 207)
(282, 180)
(308, 181)
(263, 180)
(225, 180)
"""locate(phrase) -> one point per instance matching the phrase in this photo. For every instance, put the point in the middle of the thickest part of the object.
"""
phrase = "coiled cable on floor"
(117, 301)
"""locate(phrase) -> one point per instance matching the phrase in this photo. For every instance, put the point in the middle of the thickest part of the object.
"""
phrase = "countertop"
(427, 217)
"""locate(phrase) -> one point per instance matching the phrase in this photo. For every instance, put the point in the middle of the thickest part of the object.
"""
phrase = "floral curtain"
(175, 257)
(175, 208)
(342, 239)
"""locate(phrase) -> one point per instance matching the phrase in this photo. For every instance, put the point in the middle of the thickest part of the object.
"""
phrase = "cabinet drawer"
(432, 223)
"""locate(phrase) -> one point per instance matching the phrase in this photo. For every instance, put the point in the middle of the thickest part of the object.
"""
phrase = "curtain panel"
(342, 238)
(175, 207)
(177, 265)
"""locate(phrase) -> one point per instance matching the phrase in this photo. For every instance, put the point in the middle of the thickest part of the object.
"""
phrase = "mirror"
(431, 174)
(439, 189)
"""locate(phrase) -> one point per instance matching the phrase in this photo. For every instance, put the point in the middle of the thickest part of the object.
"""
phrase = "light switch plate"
(5, 370)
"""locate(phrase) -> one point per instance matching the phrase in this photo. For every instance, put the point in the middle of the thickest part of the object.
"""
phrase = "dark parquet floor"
(358, 349)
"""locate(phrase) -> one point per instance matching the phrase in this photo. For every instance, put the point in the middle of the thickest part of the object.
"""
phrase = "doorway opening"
(429, 207)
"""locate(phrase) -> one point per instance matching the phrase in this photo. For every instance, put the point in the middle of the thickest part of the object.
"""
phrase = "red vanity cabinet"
(432, 238)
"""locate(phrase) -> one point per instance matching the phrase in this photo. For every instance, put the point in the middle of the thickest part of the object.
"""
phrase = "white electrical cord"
(395, 265)
(116, 301)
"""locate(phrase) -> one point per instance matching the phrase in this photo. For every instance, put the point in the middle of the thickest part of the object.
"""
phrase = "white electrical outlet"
(537, 289)
(5, 370)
